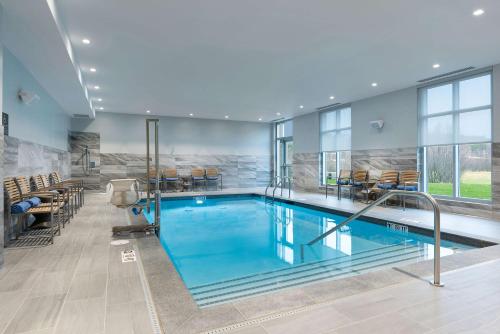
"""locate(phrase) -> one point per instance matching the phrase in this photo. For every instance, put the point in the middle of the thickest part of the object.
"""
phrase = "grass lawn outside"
(472, 185)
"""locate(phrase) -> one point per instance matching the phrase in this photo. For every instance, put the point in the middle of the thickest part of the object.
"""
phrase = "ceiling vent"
(80, 116)
(444, 75)
(328, 107)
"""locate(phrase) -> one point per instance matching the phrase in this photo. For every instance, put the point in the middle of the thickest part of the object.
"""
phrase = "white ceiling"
(251, 59)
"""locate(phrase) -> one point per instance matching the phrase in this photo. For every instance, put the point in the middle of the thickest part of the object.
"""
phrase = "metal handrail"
(277, 185)
(271, 183)
(391, 193)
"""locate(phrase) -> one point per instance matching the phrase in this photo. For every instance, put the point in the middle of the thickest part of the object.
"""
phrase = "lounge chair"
(69, 193)
(344, 180)
(78, 185)
(408, 180)
(357, 182)
(47, 213)
(213, 175)
(198, 175)
(388, 181)
(61, 200)
(169, 175)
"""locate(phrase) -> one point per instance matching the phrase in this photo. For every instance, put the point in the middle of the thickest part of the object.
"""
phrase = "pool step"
(343, 266)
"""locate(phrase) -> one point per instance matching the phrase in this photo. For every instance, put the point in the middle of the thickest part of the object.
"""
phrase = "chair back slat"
(212, 171)
(170, 172)
(57, 178)
(11, 189)
(45, 180)
(409, 176)
(198, 172)
(37, 181)
(345, 174)
(360, 175)
(23, 184)
(389, 176)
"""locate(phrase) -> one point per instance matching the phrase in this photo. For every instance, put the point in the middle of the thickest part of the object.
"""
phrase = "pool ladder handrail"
(273, 180)
(382, 199)
(280, 184)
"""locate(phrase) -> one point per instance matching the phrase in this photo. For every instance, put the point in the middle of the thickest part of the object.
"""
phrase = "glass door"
(284, 159)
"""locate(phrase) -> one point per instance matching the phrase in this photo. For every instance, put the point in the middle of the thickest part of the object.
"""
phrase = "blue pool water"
(232, 247)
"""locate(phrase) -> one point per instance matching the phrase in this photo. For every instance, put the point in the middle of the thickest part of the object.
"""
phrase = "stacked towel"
(34, 201)
(20, 207)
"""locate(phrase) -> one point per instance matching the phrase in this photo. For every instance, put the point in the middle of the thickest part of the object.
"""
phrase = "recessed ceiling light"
(478, 12)
(436, 66)
(278, 114)
(374, 84)
(226, 117)
(92, 69)
(100, 108)
(148, 111)
(301, 107)
(191, 115)
(97, 87)
(99, 99)
(260, 118)
(86, 41)
(332, 97)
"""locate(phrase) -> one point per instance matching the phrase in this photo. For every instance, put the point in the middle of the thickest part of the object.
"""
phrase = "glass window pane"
(328, 141)
(330, 172)
(475, 171)
(440, 170)
(289, 152)
(345, 160)
(328, 120)
(284, 129)
(439, 99)
(475, 92)
(345, 118)
(343, 140)
(475, 126)
(439, 130)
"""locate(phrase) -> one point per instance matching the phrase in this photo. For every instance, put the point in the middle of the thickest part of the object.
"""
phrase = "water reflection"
(284, 233)
(339, 240)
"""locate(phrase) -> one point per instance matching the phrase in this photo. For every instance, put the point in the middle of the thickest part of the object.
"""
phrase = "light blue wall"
(123, 133)
(44, 121)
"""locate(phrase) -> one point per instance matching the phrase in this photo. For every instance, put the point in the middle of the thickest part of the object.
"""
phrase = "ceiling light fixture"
(148, 111)
(191, 115)
(86, 41)
(92, 69)
(100, 108)
(226, 117)
(278, 114)
(478, 12)
(99, 99)
(301, 107)
(332, 97)
(97, 87)
(260, 118)
(436, 66)
(374, 84)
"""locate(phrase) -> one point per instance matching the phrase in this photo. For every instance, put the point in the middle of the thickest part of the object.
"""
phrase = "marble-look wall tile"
(306, 171)
(3, 233)
(376, 161)
(78, 141)
(26, 158)
(237, 171)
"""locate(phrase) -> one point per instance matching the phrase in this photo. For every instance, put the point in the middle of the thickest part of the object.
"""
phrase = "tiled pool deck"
(80, 285)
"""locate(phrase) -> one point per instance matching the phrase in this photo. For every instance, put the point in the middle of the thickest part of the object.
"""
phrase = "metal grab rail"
(273, 180)
(437, 227)
(280, 184)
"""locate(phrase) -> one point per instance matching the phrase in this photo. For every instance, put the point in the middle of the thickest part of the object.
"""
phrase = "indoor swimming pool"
(230, 247)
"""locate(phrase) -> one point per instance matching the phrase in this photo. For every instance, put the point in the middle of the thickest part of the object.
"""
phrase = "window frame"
(455, 113)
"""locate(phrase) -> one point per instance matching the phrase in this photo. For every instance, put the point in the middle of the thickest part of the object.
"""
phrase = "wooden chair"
(169, 175)
(388, 181)
(61, 200)
(357, 183)
(77, 185)
(213, 174)
(344, 180)
(47, 214)
(42, 183)
(408, 180)
(198, 175)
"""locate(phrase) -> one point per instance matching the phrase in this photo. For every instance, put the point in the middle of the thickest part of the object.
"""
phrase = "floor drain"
(119, 242)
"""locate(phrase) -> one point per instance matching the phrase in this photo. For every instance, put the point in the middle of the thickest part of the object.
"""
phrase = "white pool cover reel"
(123, 192)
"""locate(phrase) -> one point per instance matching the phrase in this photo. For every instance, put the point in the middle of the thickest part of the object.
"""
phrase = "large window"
(455, 136)
(335, 135)
(284, 149)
